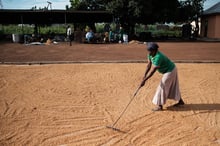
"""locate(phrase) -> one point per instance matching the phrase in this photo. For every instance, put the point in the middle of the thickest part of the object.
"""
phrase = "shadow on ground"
(196, 107)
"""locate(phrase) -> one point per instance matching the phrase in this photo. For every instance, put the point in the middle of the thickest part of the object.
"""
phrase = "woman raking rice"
(169, 84)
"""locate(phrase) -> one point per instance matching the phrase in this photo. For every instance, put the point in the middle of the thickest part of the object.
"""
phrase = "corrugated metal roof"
(53, 16)
(213, 10)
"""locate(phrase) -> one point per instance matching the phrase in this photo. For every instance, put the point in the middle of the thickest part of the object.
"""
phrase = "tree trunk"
(131, 32)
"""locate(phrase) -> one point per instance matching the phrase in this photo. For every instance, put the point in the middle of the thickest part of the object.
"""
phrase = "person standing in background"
(69, 34)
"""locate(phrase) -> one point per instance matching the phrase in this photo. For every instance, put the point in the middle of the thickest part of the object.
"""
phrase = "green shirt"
(163, 62)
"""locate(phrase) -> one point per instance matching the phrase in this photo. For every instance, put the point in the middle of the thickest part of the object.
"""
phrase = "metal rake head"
(115, 129)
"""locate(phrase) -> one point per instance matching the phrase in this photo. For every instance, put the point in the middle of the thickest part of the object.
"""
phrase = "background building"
(210, 22)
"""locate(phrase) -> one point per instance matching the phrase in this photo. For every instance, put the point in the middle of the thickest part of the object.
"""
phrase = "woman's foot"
(158, 108)
(181, 102)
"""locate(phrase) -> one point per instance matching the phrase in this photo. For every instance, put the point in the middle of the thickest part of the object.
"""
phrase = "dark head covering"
(152, 46)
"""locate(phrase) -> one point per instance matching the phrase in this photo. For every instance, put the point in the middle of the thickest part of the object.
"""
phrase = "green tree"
(130, 12)
(89, 5)
(74, 4)
(143, 11)
(191, 10)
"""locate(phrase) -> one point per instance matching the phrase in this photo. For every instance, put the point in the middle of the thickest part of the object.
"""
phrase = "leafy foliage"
(191, 9)
(90, 5)
(16, 29)
(130, 12)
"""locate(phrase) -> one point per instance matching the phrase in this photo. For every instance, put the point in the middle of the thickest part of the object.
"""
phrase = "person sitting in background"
(111, 36)
(90, 35)
(106, 37)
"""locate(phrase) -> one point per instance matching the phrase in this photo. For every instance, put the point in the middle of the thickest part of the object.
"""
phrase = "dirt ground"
(178, 51)
(72, 104)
